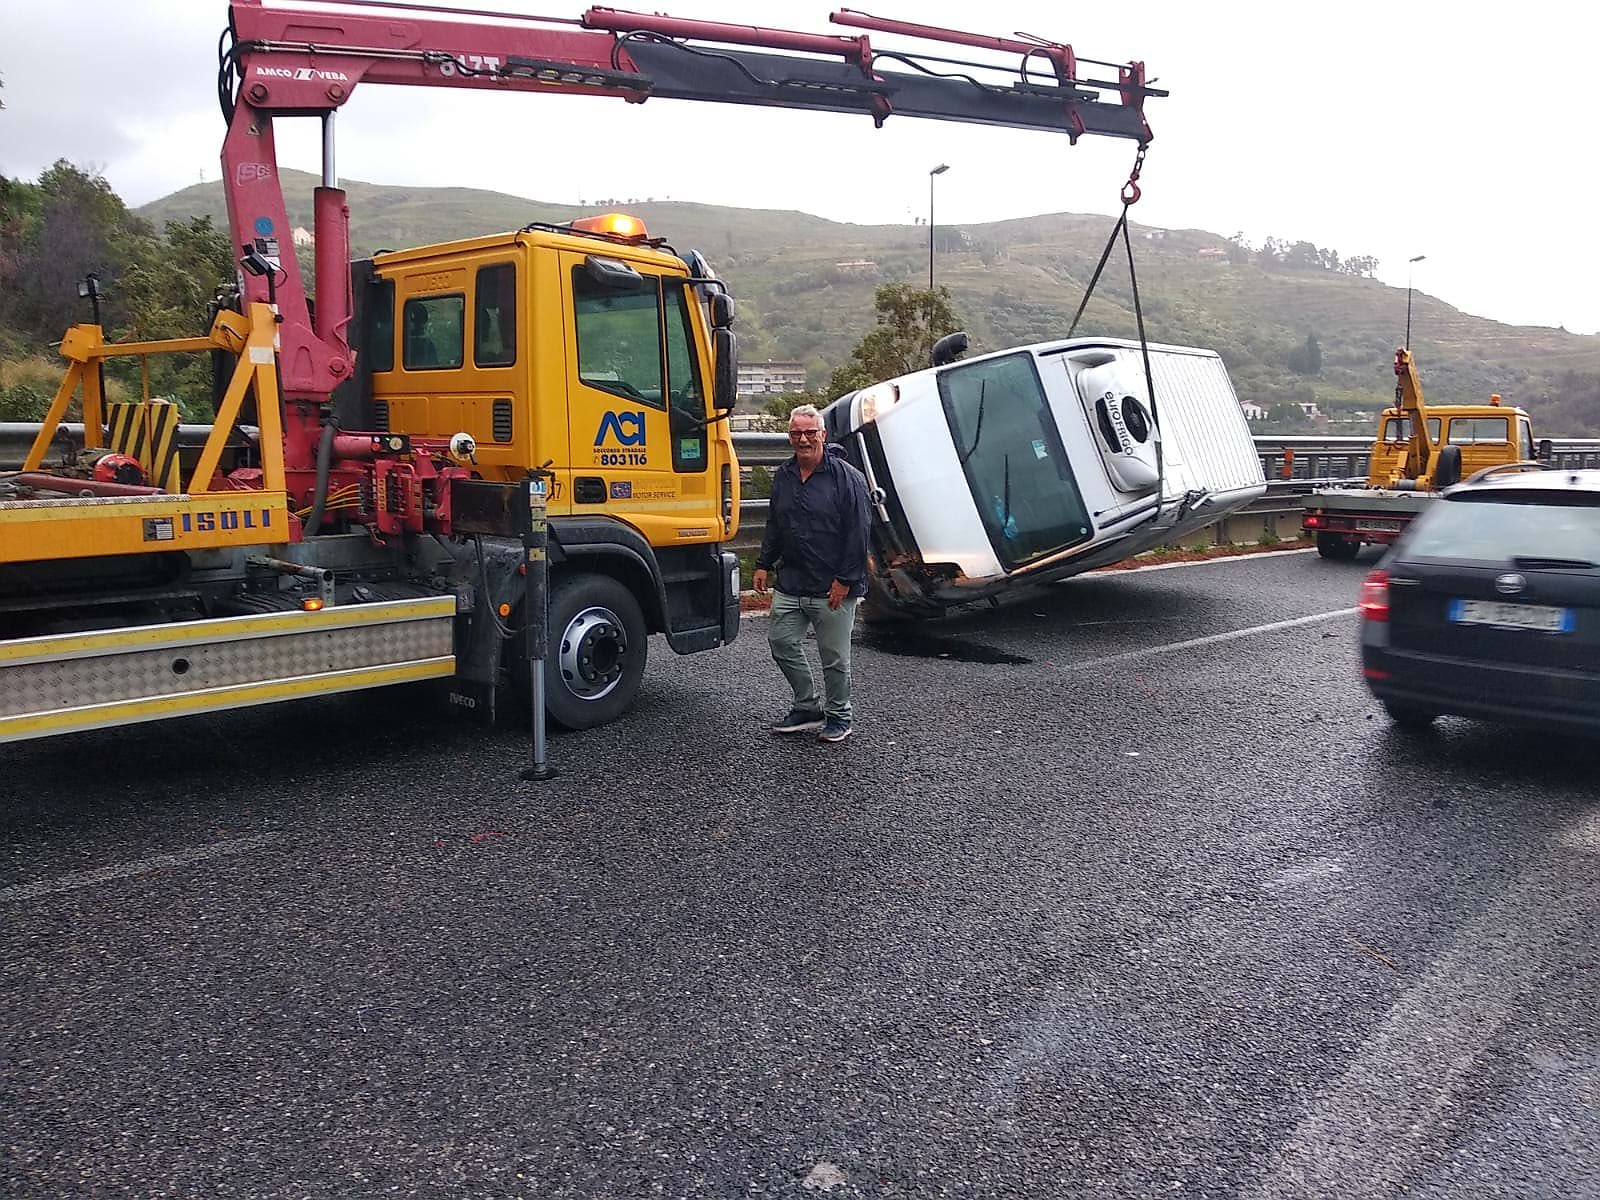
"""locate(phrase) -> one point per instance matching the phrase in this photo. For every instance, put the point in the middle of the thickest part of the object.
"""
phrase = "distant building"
(1212, 252)
(1253, 412)
(303, 237)
(857, 264)
(762, 379)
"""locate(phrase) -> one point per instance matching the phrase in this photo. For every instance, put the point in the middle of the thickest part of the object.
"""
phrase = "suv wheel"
(1408, 716)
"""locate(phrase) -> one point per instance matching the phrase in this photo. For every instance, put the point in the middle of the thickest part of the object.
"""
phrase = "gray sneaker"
(834, 731)
(799, 720)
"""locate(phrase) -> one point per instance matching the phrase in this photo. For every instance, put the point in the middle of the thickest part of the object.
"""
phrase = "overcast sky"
(1460, 131)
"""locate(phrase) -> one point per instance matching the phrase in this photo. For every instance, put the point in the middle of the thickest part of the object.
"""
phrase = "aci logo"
(618, 425)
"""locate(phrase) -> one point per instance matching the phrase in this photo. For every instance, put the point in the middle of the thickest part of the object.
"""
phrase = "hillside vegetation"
(1289, 333)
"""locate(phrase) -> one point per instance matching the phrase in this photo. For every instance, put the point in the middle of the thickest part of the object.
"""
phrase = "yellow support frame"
(199, 515)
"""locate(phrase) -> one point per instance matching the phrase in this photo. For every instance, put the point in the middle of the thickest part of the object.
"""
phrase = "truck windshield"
(619, 338)
(1013, 459)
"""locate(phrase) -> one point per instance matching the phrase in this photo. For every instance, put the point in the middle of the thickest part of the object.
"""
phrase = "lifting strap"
(1129, 196)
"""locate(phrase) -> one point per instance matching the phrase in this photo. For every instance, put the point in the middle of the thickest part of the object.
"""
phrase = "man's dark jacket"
(817, 529)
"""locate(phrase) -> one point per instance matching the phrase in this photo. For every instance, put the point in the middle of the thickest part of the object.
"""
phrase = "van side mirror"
(725, 371)
(721, 310)
(949, 348)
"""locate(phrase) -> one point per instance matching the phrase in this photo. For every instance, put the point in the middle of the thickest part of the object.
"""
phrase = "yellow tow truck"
(379, 441)
(1420, 450)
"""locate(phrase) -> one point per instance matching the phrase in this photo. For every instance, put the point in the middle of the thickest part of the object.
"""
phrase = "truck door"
(636, 402)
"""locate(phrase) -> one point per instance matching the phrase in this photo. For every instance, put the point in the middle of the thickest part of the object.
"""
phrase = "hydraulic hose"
(319, 496)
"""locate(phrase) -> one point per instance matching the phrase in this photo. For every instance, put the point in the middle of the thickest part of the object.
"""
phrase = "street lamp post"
(939, 170)
(1410, 262)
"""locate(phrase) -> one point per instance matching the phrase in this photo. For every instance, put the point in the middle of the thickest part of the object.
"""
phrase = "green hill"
(805, 289)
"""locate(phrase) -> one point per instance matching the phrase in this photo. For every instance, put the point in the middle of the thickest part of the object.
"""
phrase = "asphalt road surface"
(1125, 889)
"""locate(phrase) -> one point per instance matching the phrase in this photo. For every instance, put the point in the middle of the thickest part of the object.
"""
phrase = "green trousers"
(791, 617)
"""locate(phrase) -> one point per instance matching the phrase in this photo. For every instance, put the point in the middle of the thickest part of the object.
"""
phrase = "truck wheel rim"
(593, 647)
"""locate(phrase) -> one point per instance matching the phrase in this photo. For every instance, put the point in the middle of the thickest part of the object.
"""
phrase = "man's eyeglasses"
(804, 435)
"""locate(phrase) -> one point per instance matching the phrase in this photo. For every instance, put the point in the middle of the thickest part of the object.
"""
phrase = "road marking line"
(1203, 562)
(1368, 1134)
(141, 866)
(1209, 640)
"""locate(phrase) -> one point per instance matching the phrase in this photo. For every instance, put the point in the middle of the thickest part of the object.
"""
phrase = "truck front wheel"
(1337, 546)
(596, 653)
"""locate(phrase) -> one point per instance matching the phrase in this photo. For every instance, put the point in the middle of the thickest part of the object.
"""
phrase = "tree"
(1306, 359)
(909, 321)
(71, 224)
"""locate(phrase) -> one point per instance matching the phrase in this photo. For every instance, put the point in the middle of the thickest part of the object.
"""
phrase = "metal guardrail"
(1291, 463)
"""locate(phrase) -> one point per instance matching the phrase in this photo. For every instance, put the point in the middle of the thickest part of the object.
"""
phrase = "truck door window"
(380, 340)
(685, 391)
(1013, 458)
(494, 316)
(1464, 431)
(433, 339)
(1396, 430)
(619, 338)
(1525, 441)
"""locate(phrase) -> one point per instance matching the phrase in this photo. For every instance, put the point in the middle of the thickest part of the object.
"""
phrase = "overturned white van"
(1040, 462)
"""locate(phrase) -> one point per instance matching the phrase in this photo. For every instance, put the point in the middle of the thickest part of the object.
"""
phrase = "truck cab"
(1486, 435)
(588, 355)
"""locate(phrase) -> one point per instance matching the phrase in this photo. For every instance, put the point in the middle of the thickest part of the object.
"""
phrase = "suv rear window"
(1501, 529)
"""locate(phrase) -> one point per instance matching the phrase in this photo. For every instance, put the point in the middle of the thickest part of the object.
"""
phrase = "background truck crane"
(1419, 450)
(351, 519)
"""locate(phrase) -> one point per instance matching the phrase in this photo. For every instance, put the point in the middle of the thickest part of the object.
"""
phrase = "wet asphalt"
(1075, 913)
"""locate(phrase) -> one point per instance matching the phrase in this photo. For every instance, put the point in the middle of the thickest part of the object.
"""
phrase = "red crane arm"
(305, 58)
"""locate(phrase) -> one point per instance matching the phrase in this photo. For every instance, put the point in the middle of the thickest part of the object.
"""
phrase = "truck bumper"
(64, 683)
(730, 597)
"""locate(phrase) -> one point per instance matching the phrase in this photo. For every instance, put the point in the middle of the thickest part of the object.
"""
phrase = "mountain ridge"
(805, 285)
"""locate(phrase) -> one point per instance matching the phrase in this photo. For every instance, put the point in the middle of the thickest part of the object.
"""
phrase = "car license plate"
(1512, 616)
(1377, 525)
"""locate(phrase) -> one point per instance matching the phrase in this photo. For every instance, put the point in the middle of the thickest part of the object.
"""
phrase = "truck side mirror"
(1546, 450)
(613, 274)
(725, 376)
(721, 310)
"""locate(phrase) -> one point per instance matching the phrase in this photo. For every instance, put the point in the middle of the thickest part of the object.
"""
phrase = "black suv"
(1489, 605)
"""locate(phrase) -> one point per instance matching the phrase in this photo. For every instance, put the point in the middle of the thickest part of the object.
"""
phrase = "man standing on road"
(817, 536)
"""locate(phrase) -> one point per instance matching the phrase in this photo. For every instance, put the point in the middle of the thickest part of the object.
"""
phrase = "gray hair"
(805, 410)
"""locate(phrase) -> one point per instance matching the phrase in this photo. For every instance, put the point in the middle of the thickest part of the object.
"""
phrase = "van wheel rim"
(593, 649)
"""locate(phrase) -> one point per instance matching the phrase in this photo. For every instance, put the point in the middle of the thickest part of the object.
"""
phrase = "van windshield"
(1013, 459)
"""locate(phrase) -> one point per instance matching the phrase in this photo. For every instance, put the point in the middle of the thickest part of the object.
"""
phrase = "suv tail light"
(1375, 596)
